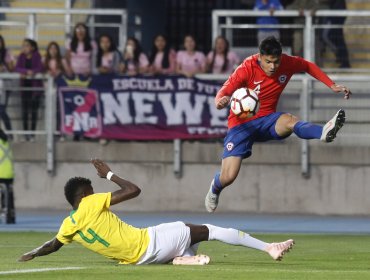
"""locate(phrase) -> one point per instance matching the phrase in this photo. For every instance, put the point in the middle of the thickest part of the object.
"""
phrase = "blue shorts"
(239, 139)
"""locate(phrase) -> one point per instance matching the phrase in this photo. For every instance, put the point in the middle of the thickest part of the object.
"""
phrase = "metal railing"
(224, 22)
(32, 27)
(47, 128)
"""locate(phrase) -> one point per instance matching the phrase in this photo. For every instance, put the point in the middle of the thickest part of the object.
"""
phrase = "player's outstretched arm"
(49, 247)
(128, 189)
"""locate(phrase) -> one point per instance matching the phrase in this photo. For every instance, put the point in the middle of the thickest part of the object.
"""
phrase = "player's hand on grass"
(26, 257)
(344, 89)
(101, 167)
(223, 102)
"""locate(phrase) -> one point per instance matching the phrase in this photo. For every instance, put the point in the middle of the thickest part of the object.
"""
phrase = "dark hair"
(73, 186)
(2, 50)
(137, 50)
(166, 52)
(48, 57)
(87, 39)
(33, 44)
(226, 52)
(270, 46)
(100, 51)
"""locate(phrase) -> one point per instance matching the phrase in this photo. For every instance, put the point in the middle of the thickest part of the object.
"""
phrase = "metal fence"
(44, 32)
(240, 29)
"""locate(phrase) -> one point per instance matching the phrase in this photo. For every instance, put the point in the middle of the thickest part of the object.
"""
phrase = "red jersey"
(250, 75)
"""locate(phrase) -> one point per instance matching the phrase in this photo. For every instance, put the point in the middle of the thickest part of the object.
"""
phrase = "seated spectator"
(221, 60)
(108, 59)
(135, 60)
(190, 62)
(7, 63)
(162, 58)
(80, 50)
(54, 63)
(268, 5)
(28, 64)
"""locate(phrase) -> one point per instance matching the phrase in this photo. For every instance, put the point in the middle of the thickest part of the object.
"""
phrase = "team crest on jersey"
(229, 146)
(282, 79)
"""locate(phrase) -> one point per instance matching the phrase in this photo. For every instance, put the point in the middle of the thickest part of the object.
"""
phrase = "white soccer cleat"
(211, 200)
(277, 250)
(191, 260)
(331, 128)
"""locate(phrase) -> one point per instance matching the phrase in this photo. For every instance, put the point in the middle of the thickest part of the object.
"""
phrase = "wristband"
(109, 175)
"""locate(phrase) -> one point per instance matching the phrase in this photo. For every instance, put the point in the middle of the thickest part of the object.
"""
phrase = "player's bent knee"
(288, 121)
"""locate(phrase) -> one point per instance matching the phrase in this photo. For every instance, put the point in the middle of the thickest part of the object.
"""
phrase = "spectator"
(162, 59)
(190, 62)
(7, 63)
(54, 64)
(267, 5)
(221, 60)
(80, 51)
(135, 60)
(109, 59)
(28, 64)
(6, 179)
(334, 37)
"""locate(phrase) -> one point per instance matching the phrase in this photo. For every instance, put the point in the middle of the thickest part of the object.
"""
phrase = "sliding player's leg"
(288, 123)
(229, 171)
(232, 236)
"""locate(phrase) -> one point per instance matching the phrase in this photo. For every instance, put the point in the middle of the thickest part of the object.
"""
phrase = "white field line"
(39, 270)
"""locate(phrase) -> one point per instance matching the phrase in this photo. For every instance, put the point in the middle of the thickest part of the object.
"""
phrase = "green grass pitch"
(313, 257)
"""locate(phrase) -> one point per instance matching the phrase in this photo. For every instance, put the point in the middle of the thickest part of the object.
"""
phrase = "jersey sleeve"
(301, 65)
(234, 82)
(66, 231)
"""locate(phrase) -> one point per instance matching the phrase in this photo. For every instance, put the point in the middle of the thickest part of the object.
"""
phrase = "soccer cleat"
(192, 260)
(331, 128)
(277, 250)
(211, 200)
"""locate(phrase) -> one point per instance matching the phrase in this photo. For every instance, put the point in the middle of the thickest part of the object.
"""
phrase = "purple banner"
(141, 108)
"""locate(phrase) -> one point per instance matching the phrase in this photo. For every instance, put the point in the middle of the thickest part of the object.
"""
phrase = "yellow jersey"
(95, 227)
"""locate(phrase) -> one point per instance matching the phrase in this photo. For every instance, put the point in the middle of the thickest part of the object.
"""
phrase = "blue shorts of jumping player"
(239, 139)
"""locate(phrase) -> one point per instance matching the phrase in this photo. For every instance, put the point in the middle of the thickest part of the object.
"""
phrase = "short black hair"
(270, 46)
(73, 185)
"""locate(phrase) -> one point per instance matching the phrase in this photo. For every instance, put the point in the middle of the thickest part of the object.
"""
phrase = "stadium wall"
(269, 182)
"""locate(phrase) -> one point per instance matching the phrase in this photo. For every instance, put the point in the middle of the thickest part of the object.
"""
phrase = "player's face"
(269, 63)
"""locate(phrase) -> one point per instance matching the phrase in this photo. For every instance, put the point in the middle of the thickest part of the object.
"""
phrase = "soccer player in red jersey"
(267, 73)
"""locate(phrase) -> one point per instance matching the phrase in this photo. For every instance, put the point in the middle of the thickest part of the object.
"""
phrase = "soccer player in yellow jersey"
(94, 226)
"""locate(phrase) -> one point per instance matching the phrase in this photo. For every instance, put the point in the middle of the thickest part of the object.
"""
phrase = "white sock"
(235, 237)
(191, 251)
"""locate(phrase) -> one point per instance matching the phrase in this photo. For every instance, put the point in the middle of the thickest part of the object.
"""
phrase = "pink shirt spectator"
(107, 60)
(157, 63)
(143, 62)
(233, 61)
(195, 62)
(53, 67)
(81, 60)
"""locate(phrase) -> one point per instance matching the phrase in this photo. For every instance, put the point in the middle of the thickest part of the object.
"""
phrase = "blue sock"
(216, 186)
(306, 130)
